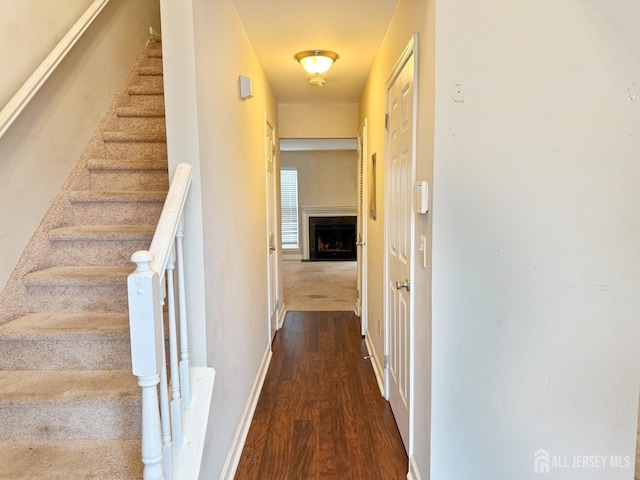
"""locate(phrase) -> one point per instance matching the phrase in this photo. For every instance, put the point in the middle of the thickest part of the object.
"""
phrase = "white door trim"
(410, 50)
(363, 218)
(272, 276)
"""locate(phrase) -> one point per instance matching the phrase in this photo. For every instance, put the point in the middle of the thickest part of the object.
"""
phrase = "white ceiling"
(278, 29)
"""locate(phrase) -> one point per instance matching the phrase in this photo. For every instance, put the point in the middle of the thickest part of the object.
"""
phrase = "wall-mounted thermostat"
(421, 197)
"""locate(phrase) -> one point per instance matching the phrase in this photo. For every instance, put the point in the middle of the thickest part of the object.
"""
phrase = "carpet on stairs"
(69, 404)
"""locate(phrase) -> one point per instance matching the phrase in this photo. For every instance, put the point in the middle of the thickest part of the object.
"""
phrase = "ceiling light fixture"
(316, 62)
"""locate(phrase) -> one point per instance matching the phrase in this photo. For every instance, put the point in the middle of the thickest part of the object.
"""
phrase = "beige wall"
(39, 150)
(536, 234)
(233, 180)
(325, 177)
(31, 28)
(318, 120)
(411, 16)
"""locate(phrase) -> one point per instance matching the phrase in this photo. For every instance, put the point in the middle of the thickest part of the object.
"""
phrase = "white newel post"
(145, 321)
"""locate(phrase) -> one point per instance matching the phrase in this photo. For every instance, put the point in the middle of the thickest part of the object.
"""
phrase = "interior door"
(361, 244)
(272, 236)
(399, 238)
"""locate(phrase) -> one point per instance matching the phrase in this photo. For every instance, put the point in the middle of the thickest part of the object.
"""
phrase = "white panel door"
(399, 245)
(361, 245)
(270, 154)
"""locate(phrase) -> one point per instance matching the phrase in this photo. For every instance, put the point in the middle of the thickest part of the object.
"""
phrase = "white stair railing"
(165, 394)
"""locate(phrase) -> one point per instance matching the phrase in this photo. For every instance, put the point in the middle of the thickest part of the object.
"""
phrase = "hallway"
(319, 286)
(320, 413)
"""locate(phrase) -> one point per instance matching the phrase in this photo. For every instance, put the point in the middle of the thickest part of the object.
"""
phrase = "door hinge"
(277, 304)
(386, 361)
(386, 121)
(357, 293)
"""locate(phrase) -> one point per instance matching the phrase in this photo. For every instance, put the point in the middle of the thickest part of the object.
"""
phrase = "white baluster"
(185, 362)
(167, 457)
(145, 322)
(176, 403)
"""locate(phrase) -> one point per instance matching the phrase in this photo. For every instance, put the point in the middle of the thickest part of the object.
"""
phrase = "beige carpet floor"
(319, 286)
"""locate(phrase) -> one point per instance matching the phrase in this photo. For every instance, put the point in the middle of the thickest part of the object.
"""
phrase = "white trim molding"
(240, 437)
(321, 211)
(414, 471)
(377, 368)
(283, 313)
(315, 144)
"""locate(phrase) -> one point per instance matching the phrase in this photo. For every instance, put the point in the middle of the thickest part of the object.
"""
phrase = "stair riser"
(129, 180)
(66, 354)
(146, 101)
(155, 62)
(152, 80)
(126, 213)
(141, 150)
(96, 253)
(78, 299)
(142, 124)
(98, 420)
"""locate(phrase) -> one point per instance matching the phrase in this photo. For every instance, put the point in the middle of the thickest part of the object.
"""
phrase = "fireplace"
(332, 238)
(319, 212)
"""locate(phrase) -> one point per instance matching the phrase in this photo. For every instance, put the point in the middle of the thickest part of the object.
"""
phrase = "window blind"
(289, 208)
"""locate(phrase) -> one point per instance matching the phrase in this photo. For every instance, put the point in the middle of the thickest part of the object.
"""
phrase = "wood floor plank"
(303, 449)
(320, 414)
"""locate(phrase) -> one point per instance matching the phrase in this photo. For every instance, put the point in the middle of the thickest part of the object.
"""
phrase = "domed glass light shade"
(316, 61)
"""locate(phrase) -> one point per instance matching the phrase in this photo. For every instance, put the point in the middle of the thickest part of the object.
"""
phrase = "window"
(289, 208)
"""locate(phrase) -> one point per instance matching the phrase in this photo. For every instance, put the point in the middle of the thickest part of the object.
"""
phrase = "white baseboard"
(240, 437)
(283, 313)
(375, 363)
(414, 472)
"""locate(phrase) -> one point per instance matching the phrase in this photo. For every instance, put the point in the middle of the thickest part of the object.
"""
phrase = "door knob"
(272, 249)
(406, 284)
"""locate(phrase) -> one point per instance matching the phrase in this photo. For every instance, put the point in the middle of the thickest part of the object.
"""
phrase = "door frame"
(410, 50)
(363, 216)
(272, 328)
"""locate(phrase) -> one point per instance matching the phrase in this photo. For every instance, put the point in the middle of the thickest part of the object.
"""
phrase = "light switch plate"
(423, 250)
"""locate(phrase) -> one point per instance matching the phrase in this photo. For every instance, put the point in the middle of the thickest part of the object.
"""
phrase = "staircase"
(69, 404)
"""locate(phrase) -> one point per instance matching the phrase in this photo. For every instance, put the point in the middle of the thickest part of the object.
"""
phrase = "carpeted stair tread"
(145, 90)
(116, 164)
(29, 386)
(140, 112)
(102, 232)
(83, 196)
(69, 405)
(78, 276)
(150, 71)
(71, 459)
(142, 137)
(86, 326)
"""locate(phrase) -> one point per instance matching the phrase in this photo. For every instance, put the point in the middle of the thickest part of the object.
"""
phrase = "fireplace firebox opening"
(332, 238)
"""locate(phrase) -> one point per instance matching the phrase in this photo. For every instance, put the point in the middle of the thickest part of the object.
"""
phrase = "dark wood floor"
(320, 414)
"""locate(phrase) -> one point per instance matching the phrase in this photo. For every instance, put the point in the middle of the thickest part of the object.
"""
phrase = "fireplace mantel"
(321, 211)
